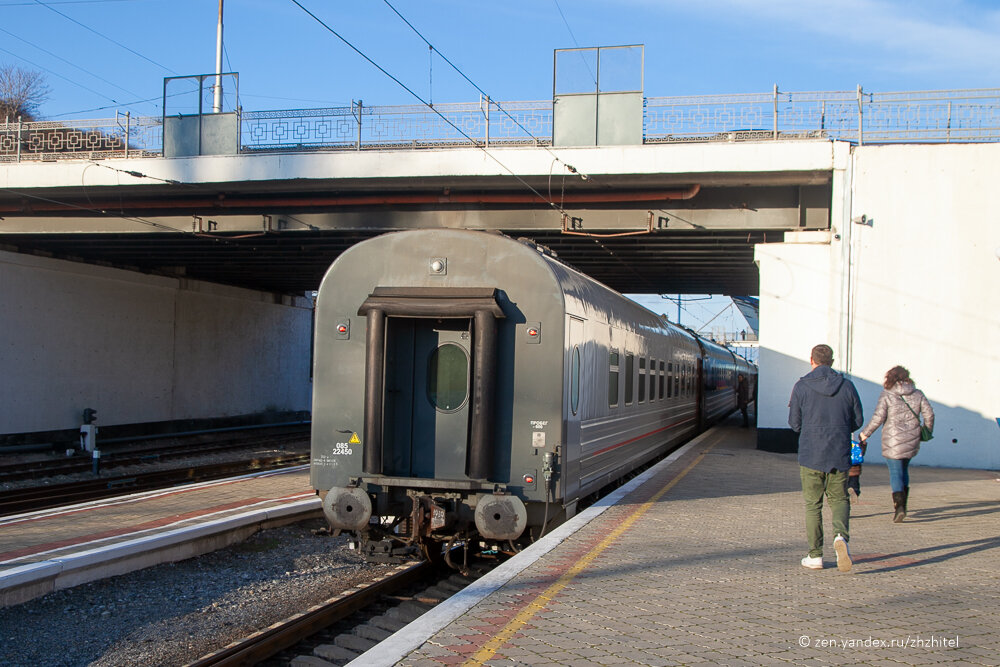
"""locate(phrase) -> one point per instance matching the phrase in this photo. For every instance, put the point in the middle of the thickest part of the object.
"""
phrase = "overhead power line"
(402, 85)
(56, 74)
(100, 34)
(71, 64)
(482, 92)
(576, 43)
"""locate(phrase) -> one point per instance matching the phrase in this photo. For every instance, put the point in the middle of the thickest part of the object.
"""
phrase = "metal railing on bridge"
(854, 116)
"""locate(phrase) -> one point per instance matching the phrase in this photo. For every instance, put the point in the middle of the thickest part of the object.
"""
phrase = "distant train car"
(470, 386)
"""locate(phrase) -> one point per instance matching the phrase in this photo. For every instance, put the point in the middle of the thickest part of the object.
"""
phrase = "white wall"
(918, 286)
(795, 308)
(141, 348)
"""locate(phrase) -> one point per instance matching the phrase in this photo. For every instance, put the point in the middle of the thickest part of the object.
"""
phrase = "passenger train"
(471, 388)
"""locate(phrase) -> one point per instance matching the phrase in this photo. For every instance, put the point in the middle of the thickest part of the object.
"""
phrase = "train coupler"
(426, 517)
(388, 551)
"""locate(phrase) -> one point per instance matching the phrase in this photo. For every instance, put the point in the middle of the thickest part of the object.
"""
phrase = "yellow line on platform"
(490, 648)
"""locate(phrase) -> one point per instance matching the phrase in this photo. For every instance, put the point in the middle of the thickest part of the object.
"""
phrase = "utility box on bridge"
(194, 126)
(597, 96)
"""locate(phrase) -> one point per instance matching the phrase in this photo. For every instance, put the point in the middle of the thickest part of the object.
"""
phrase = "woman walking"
(899, 407)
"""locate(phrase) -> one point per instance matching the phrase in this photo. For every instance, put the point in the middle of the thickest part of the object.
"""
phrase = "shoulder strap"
(908, 406)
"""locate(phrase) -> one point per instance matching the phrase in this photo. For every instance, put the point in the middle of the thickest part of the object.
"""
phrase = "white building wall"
(141, 348)
(795, 307)
(920, 286)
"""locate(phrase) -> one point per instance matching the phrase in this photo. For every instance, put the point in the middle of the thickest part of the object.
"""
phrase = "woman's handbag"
(925, 433)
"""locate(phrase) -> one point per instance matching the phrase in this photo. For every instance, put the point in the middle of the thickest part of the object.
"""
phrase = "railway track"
(342, 628)
(120, 455)
(16, 501)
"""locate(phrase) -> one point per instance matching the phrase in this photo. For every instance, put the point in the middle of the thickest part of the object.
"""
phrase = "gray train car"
(471, 386)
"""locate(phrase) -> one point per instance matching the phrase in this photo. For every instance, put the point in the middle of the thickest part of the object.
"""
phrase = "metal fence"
(119, 137)
(854, 116)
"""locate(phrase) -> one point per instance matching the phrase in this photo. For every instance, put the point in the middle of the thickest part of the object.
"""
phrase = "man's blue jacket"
(824, 411)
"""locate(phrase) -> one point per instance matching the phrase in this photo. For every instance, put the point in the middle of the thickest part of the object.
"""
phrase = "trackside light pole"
(217, 104)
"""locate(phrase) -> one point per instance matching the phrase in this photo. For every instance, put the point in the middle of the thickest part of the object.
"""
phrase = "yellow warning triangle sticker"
(355, 440)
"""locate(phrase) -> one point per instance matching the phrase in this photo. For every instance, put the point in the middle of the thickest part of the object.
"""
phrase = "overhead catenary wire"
(56, 74)
(100, 34)
(71, 64)
(593, 77)
(482, 92)
(28, 3)
(474, 142)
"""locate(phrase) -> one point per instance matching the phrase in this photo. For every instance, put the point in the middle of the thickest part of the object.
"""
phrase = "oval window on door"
(448, 377)
(574, 381)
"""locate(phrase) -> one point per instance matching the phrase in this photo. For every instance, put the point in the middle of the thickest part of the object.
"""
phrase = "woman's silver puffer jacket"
(901, 435)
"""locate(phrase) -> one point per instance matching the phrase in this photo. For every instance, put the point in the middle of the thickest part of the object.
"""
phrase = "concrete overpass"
(654, 218)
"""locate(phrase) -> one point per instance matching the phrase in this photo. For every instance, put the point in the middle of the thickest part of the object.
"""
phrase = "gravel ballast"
(175, 613)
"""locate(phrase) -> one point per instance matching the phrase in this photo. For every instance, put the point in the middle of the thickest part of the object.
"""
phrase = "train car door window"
(448, 377)
(629, 378)
(642, 379)
(613, 379)
(574, 382)
(670, 380)
(661, 380)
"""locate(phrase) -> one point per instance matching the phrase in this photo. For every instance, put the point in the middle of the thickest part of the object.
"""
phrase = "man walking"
(824, 411)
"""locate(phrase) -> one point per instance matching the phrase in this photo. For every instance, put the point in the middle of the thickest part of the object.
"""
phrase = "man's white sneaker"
(844, 561)
(813, 563)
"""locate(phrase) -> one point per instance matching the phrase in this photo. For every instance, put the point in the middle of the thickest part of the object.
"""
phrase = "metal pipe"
(374, 382)
(526, 198)
(483, 400)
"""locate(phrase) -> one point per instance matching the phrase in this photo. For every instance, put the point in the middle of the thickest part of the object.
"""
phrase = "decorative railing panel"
(855, 116)
(81, 139)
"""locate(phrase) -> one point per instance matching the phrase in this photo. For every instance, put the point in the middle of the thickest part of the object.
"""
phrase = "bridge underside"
(637, 235)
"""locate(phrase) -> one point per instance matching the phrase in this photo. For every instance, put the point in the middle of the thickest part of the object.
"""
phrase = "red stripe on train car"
(640, 437)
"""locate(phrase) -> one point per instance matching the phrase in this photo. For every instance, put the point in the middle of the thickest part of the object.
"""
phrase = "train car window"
(613, 379)
(629, 377)
(670, 380)
(448, 377)
(642, 379)
(574, 381)
(652, 379)
(661, 380)
(690, 382)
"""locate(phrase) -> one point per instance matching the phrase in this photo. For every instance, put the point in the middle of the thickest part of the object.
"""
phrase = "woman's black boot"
(899, 503)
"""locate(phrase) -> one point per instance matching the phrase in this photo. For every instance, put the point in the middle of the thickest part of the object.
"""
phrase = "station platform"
(698, 562)
(63, 547)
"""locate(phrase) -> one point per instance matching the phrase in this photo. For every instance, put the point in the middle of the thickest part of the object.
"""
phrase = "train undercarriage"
(405, 523)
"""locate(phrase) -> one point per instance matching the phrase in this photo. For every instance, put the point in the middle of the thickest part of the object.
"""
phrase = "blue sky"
(287, 60)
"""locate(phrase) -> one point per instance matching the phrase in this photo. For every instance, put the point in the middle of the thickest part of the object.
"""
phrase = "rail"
(855, 116)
